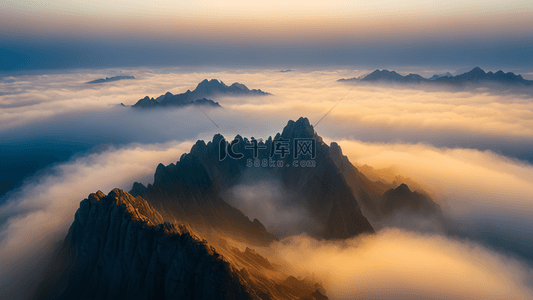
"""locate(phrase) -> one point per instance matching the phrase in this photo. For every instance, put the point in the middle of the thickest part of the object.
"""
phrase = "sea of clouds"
(471, 148)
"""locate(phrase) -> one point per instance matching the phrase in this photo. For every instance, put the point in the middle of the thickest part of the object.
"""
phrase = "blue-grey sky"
(55, 34)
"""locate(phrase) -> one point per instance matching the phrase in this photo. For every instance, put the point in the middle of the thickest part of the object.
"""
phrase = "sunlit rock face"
(119, 253)
(115, 250)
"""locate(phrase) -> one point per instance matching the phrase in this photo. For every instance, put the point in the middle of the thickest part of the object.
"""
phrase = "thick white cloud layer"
(408, 113)
(488, 195)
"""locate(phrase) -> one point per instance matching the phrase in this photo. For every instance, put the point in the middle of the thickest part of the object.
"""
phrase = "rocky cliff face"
(186, 192)
(118, 252)
(117, 248)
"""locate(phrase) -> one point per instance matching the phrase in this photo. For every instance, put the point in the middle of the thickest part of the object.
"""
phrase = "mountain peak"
(239, 86)
(477, 70)
(403, 189)
(299, 129)
(209, 85)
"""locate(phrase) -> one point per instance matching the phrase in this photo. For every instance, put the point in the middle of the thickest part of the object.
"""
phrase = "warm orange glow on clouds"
(465, 180)
(396, 264)
(413, 132)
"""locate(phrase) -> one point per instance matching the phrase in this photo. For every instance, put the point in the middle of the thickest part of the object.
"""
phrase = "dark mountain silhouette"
(333, 190)
(402, 198)
(474, 77)
(477, 75)
(110, 79)
(198, 96)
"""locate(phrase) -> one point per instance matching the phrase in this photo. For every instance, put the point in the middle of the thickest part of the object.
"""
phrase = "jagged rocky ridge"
(186, 188)
(476, 77)
(199, 95)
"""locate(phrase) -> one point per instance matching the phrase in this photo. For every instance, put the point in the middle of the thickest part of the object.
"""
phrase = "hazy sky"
(65, 34)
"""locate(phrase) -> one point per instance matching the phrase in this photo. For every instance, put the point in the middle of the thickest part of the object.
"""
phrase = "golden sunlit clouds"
(466, 181)
(436, 137)
(397, 264)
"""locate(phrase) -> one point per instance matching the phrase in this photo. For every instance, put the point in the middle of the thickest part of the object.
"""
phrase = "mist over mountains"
(18, 155)
(165, 222)
(478, 195)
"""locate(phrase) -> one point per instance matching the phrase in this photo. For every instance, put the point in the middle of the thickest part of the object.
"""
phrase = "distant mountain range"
(475, 77)
(110, 79)
(170, 239)
(198, 96)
